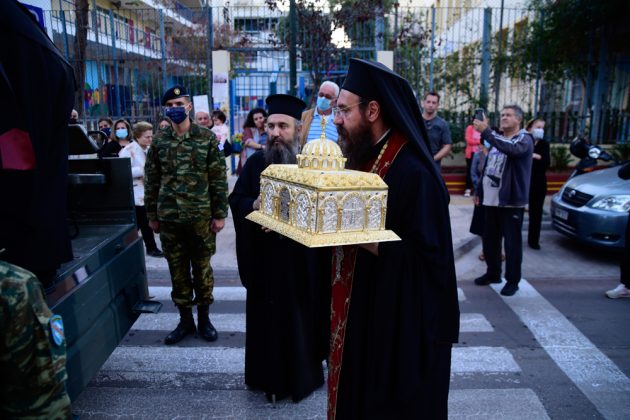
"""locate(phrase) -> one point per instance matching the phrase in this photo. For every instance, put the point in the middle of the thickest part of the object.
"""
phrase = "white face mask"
(538, 133)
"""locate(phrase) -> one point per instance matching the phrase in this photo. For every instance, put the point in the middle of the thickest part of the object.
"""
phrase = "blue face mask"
(323, 104)
(177, 114)
(487, 144)
(122, 133)
(107, 131)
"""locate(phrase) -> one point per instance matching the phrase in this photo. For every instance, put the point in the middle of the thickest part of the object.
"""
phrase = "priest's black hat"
(375, 82)
(174, 92)
(285, 104)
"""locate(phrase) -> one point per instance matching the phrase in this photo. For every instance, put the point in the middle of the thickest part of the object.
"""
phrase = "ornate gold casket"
(318, 203)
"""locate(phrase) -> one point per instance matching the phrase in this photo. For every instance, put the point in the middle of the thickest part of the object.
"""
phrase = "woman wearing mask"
(104, 125)
(538, 183)
(254, 134)
(137, 152)
(164, 123)
(119, 138)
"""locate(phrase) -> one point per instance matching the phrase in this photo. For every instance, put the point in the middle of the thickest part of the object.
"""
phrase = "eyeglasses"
(343, 112)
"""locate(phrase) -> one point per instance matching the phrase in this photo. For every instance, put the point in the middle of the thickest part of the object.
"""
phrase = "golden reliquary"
(319, 203)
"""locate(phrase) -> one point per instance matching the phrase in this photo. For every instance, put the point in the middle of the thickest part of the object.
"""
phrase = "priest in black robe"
(395, 311)
(288, 284)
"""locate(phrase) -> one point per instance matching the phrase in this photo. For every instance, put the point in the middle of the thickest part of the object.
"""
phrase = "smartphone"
(480, 114)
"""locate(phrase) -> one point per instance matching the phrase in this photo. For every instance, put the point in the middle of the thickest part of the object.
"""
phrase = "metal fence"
(133, 54)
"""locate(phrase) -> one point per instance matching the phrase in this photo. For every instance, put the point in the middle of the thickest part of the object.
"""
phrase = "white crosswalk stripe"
(220, 293)
(136, 376)
(167, 321)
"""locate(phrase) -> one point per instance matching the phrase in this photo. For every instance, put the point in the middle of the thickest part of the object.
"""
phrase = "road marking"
(482, 360)
(474, 323)
(513, 404)
(168, 320)
(231, 293)
(603, 383)
(460, 295)
(177, 359)
(471, 404)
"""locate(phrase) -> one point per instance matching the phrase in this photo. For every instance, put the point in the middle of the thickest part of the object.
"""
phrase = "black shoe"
(155, 253)
(509, 289)
(178, 334)
(486, 280)
(206, 329)
(185, 327)
(208, 332)
(534, 246)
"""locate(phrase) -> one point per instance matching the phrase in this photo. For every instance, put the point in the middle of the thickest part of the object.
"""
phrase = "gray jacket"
(507, 173)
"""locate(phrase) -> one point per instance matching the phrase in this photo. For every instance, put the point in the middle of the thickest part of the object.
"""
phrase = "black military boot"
(185, 327)
(206, 329)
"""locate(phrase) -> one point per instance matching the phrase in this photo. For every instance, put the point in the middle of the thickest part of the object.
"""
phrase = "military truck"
(103, 290)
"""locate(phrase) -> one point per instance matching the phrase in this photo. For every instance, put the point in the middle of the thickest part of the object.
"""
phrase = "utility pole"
(485, 58)
(497, 79)
(292, 51)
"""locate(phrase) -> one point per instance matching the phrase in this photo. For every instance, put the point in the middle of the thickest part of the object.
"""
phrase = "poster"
(200, 103)
(220, 91)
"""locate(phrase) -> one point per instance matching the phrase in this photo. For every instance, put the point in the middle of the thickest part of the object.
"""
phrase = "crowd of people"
(382, 316)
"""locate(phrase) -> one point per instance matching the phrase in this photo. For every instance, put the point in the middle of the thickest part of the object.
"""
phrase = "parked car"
(593, 208)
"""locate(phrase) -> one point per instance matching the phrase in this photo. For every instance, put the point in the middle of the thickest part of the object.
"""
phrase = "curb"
(466, 246)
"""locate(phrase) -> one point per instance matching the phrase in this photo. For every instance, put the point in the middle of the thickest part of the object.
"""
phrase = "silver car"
(593, 208)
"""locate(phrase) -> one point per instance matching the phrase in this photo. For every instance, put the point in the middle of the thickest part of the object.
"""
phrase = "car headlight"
(620, 203)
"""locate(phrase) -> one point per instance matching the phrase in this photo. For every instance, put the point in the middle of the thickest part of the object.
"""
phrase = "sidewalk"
(224, 261)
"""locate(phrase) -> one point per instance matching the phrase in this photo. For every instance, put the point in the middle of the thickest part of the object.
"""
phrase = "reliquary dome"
(319, 203)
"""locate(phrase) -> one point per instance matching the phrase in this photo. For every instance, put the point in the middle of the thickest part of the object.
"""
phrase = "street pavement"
(557, 349)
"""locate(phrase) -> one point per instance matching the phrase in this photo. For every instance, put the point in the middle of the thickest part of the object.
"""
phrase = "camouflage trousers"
(33, 357)
(188, 248)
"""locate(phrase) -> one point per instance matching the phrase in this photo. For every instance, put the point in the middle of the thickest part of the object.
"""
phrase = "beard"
(356, 146)
(278, 152)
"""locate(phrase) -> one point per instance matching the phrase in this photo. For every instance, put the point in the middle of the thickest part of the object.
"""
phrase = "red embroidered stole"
(344, 259)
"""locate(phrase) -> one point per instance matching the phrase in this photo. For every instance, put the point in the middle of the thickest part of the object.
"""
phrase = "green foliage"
(411, 44)
(621, 151)
(560, 158)
(568, 30)
(456, 76)
(318, 54)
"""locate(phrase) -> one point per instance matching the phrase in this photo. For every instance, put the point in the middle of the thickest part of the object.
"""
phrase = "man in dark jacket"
(504, 193)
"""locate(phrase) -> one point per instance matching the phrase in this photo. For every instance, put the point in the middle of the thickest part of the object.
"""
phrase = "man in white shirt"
(312, 118)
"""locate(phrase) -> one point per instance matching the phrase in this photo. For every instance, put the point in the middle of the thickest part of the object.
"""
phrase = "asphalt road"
(557, 349)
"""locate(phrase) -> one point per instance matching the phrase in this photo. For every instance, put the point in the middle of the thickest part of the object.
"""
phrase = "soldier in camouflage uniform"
(32, 350)
(186, 200)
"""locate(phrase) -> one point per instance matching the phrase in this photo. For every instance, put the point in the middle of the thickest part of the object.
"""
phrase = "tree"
(316, 22)
(580, 40)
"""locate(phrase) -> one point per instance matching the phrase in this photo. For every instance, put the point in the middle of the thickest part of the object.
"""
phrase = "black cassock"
(37, 89)
(404, 313)
(288, 299)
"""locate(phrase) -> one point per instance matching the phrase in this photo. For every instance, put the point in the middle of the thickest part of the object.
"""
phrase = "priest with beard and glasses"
(288, 284)
(394, 310)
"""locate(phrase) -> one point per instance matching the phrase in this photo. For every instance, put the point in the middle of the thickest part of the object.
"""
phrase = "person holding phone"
(504, 193)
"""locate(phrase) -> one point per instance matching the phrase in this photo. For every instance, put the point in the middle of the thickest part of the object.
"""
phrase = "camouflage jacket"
(32, 350)
(185, 177)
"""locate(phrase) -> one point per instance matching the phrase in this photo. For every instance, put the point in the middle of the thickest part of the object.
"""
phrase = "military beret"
(285, 104)
(174, 92)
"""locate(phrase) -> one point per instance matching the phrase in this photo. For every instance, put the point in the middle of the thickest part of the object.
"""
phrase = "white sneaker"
(467, 193)
(618, 292)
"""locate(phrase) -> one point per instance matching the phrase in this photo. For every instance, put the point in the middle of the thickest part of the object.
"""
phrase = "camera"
(480, 114)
